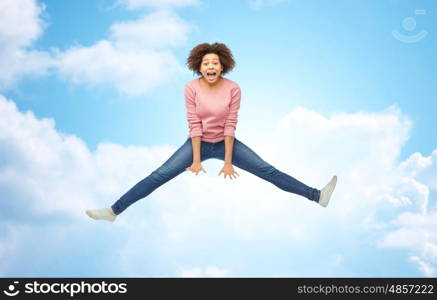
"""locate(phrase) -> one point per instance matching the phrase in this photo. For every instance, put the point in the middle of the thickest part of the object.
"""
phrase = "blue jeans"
(242, 157)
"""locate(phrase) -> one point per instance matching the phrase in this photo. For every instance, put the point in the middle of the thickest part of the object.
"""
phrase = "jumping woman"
(212, 102)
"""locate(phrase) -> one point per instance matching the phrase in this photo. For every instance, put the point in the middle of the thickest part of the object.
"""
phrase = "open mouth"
(211, 75)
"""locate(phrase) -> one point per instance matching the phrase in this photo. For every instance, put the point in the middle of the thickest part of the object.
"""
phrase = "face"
(210, 67)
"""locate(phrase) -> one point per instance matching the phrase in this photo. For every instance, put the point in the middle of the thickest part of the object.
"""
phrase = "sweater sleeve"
(194, 122)
(232, 119)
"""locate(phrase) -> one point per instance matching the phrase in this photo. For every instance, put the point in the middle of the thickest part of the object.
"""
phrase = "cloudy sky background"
(91, 102)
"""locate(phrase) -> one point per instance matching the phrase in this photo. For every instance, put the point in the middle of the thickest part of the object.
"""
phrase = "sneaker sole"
(330, 189)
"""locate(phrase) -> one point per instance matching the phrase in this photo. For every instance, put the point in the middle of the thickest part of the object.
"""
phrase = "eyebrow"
(210, 59)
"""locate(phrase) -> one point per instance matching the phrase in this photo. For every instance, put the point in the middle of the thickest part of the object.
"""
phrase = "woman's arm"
(229, 133)
(229, 145)
(228, 169)
(196, 166)
(195, 125)
(195, 141)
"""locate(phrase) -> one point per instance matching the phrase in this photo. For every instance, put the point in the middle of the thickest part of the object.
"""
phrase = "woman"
(212, 104)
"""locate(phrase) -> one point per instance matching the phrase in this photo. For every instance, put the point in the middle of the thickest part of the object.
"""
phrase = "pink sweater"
(212, 114)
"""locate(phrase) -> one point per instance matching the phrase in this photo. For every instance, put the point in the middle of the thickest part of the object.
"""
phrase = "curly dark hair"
(196, 54)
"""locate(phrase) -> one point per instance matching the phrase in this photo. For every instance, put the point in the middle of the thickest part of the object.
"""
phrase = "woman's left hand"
(228, 169)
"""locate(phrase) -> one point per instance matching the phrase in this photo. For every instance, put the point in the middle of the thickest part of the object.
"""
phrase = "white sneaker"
(101, 214)
(326, 192)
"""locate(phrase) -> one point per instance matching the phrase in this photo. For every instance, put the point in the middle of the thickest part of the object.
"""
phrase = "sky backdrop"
(91, 102)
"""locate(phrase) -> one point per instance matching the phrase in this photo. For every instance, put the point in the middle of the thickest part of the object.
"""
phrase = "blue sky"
(92, 101)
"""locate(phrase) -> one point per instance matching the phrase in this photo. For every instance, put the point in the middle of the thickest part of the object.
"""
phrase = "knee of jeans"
(267, 169)
(161, 173)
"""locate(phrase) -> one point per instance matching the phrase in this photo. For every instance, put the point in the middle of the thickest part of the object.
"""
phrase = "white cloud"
(8, 244)
(47, 172)
(131, 72)
(414, 228)
(417, 233)
(416, 163)
(424, 169)
(210, 271)
(50, 177)
(361, 148)
(47, 180)
(156, 30)
(424, 266)
(135, 59)
(20, 25)
(20, 22)
(139, 4)
(136, 56)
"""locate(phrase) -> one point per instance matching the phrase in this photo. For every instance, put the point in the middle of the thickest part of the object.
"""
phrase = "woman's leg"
(245, 158)
(175, 165)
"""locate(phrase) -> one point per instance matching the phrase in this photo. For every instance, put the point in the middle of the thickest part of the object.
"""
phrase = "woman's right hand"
(196, 167)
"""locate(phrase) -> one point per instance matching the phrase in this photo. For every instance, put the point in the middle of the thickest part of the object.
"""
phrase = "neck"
(211, 85)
